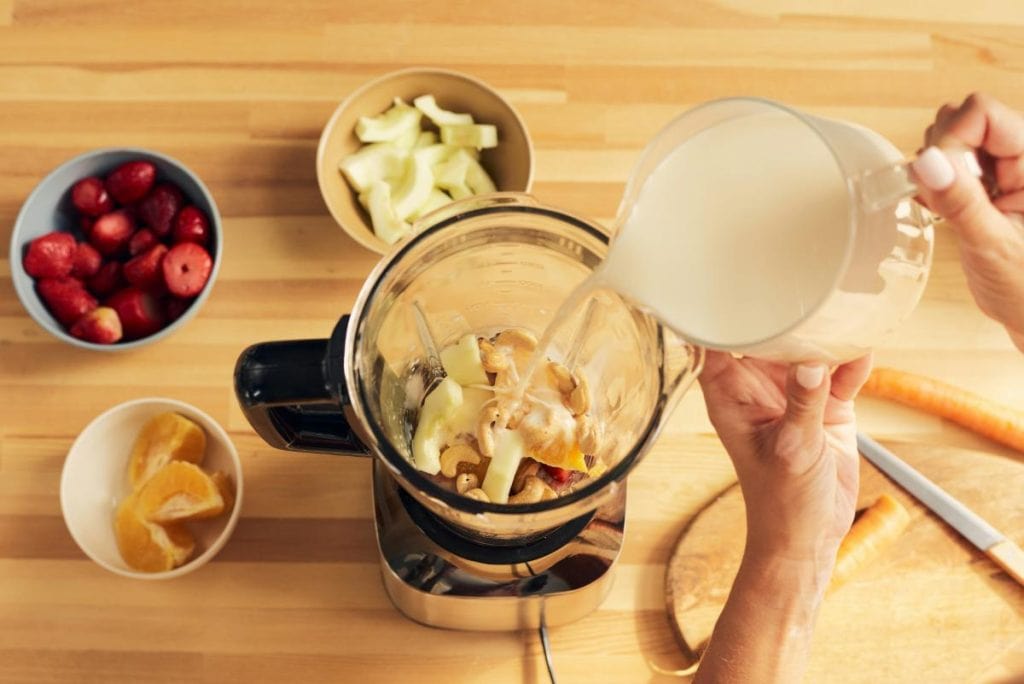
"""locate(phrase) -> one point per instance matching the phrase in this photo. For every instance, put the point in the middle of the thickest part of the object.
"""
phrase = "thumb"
(951, 187)
(807, 391)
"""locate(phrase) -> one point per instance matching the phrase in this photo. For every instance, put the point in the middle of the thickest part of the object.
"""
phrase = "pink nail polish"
(933, 169)
(809, 377)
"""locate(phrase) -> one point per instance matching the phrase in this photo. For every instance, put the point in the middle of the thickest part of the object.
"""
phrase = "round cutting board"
(931, 608)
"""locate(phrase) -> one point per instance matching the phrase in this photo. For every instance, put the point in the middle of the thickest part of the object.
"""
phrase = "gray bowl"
(49, 208)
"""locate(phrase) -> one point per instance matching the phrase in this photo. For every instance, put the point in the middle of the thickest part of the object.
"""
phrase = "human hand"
(792, 436)
(989, 229)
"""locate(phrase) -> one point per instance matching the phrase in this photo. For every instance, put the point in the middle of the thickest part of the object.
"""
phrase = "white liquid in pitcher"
(738, 234)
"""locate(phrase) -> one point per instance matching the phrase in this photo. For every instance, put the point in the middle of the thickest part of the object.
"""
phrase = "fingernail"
(809, 377)
(933, 169)
(971, 161)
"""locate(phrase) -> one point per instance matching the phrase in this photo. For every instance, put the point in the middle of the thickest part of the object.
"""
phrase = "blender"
(479, 265)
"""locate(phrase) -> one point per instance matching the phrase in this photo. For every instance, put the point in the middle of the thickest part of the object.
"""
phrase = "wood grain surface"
(239, 91)
(974, 612)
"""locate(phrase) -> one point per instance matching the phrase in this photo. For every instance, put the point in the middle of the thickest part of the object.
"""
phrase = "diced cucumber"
(477, 179)
(407, 141)
(460, 192)
(425, 139)
(451, 173)
(435, 154)
(462, 362)
(440, 117)
(377, 201)
(509, 450)
(466, 417)
(436, 200)
(389, 125)
(480, 136)
(414, 189)
(375, 162)
(438, 407)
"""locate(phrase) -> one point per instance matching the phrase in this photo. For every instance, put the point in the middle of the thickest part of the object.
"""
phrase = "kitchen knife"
(993, 543)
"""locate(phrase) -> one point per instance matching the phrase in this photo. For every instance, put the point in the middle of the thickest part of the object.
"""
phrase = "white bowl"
(95, 480)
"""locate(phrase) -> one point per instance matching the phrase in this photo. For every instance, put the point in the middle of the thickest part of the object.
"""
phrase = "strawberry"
(144, 271)
(159, 208)
(50, 256)
(139, 312)
(106, 280)
(90, 197)
(130, 181)
(66, 298)
(186, 269)
(174, 307)
(111, 232)
(191, 225)
(559, 475)
(87, 261)
(141, 241)
(100, 325)
(85, 225)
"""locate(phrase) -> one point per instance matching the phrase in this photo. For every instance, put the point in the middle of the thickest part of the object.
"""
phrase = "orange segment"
(146, 546)
(179, 491)
(558, 456)
(226, 487)
(166, 437)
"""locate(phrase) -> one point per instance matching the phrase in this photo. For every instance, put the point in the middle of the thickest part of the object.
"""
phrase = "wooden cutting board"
(975, 612)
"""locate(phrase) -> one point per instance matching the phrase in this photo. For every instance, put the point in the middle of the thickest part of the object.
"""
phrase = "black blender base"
(551, 581)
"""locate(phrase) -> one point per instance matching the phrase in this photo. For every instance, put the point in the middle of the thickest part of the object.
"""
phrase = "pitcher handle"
(293, 394)
(881, 188)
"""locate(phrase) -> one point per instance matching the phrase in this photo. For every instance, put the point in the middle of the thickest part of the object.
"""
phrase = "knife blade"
(993, 543)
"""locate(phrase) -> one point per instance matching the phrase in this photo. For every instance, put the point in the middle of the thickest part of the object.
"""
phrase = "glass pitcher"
(478, 266)
(817, 292)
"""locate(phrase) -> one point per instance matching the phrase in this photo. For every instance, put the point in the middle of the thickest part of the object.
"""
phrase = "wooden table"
(239, 91)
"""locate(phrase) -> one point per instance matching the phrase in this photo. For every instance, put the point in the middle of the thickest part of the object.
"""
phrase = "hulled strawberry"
(108, 279)
(191, 225)
(101, 325)
(130, 181)
(139, 312)
(87, 261)
(50, 256)
(90, 197)
(144, 271)
(158, 209)
(66, 298)
(111, 233)
(186, 269)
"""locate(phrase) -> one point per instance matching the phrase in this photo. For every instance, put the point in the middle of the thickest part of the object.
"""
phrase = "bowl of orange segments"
(151, 489)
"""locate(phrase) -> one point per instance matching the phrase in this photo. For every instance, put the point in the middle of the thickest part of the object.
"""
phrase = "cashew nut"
(579, 398)
(493, 360)
(484, 431)
(478, 494)
(532, 492)
(562, 376)
(588, 434)
(466, 481)
(517, 338)
(456, 454)
(527, 468)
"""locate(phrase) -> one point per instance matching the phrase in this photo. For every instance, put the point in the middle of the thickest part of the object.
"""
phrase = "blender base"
(442, 580)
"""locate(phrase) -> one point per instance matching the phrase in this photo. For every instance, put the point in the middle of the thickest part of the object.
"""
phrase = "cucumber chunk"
(379, 161)
(440, 117)
(377, 201)
(414, 188)
(509, 450)
(438, 407)
(480, 136)
(462, 362)
(388, 126)
(436, 200)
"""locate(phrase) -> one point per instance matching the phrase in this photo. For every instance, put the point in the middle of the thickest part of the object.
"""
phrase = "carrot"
(877, 527)
(998, 422)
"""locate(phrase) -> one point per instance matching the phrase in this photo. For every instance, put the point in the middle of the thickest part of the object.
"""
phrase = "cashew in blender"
(466, 482)
(534, 490)
(484, 428)
(579, 398)
(478, 494)
(456, 454)
(562, 376)
(528, 468)
(588, 434)
(517, 338)
(493, 360)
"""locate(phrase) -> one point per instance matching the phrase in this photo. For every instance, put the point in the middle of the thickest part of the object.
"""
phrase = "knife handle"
(1009, 557)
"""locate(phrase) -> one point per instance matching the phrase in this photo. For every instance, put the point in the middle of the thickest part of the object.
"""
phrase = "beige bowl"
(510, 164)
(95, 480)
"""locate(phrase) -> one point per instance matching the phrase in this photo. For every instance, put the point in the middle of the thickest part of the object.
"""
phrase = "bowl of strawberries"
(116, 248)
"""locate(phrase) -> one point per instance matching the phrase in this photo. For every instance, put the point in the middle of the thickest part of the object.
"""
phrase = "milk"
(748, 227)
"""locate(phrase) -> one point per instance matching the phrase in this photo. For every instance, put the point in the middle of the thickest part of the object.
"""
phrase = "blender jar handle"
(292, 393)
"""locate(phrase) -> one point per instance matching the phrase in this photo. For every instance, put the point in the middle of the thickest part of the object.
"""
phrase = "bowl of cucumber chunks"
(413, 141)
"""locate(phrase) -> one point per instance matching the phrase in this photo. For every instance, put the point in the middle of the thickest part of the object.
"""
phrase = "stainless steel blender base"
(459, 584)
